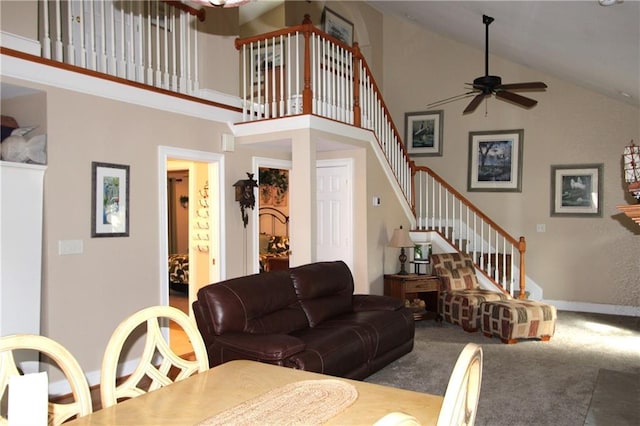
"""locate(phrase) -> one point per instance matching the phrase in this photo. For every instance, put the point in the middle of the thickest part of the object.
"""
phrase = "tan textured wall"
(14, 14)
(113, 277)
(592, 260)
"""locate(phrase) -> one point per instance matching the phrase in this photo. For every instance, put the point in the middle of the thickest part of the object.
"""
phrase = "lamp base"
(402, 258)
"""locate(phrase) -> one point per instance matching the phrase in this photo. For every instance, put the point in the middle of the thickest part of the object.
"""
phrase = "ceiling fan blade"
(518, 99)
(452, 99)
(532, 85)
(474, 103)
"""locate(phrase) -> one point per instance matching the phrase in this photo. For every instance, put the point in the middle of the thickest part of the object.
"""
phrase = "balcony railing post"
(522, 247)
(307, 94)
(357, 119)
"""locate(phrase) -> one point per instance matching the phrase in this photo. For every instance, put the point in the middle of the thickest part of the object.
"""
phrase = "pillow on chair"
(463, 278)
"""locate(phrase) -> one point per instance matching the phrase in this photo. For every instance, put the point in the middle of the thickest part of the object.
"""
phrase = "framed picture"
(109, 200)
(495, 161)
(336, 26)
(269, 57)
(576, 190)
(424, 133)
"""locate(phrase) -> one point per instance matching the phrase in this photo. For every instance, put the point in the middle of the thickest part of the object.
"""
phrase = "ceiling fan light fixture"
(221, 3)
(608, 2)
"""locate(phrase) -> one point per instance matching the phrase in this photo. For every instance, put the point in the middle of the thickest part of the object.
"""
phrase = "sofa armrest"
(374, 302)
(268, 347)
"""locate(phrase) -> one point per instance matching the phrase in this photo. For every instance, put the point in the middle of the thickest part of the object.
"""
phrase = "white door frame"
(216, 195)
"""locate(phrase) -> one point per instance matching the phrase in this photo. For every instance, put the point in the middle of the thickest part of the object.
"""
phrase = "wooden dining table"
(201, 396)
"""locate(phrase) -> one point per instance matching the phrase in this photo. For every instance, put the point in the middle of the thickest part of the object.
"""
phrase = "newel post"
(522, 248)
(356, 85)
(307, 94)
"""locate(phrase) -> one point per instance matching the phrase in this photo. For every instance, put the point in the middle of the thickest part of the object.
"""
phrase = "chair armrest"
(374, 302)
(268, 347)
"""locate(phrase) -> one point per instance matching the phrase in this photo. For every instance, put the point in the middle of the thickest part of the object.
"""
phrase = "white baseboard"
(597, 308)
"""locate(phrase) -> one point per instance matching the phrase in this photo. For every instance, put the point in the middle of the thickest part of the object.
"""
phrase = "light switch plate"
(70, 247)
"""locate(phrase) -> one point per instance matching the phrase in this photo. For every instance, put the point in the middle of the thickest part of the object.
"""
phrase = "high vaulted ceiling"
(593, 46)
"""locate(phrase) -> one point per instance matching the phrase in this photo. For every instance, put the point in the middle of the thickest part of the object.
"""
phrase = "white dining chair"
(58, 412)
(155, 345)
(397, 418)
(460, 403)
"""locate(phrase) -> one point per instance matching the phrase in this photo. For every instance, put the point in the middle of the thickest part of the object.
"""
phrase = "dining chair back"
(159, 365)
(460, 402)
(54, 351)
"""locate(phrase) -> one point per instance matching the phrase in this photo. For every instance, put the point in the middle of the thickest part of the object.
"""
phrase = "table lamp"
(401, 239)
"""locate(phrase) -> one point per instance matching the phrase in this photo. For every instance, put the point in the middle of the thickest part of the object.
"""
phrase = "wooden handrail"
(199, 13)
(522, 248)
(468, 203)
(384, 106)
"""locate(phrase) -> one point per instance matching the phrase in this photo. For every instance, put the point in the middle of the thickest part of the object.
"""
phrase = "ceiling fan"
(488, 85)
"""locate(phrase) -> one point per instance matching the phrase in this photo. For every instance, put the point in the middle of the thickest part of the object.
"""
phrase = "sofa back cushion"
(324, 289)
(259, 303)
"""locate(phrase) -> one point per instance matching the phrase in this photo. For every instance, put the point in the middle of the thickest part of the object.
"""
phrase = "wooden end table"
(414, 286)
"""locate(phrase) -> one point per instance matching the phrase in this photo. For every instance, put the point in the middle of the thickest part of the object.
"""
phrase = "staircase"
(296, 70)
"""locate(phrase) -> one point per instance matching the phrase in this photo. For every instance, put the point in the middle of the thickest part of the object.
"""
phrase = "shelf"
(631, 210)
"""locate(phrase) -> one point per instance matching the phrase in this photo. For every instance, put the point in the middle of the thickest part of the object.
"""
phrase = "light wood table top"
(203, 395)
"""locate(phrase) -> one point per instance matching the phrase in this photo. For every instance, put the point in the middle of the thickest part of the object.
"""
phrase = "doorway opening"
(191, 235)
(272, 218)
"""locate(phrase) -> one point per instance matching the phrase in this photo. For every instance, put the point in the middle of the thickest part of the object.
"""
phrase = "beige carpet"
(531, 382)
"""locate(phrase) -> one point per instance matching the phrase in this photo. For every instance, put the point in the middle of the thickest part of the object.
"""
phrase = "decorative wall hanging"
(337, 26)
(245, 196)
(109, 200)
(576, 190)
(424, 133)
(495, 161)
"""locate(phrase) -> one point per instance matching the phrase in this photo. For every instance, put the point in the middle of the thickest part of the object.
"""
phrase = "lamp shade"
(400, 238)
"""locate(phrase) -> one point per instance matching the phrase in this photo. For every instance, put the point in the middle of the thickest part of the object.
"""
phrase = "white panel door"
(335, 212)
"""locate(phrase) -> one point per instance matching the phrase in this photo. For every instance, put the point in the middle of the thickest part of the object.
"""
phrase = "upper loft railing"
(303, 70)
(150, 42)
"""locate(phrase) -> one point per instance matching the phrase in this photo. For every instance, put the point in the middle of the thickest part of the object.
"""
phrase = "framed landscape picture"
(336, 26)
(576, 190)
(424, 133)
(495, 161)
(109, 200)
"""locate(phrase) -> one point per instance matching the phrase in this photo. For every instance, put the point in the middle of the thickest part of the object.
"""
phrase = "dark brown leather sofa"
(306, 318)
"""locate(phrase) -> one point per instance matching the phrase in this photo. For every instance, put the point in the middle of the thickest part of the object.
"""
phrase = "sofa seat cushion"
(330, 350)
(232, 306)
(380, 331)
(324, 289)
(260, 347)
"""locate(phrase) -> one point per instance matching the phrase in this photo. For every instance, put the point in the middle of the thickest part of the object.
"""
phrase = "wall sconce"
(632, 169)
(401, 240)
(245, 195)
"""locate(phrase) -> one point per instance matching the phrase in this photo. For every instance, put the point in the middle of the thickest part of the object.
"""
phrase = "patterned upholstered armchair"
(460, 292)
